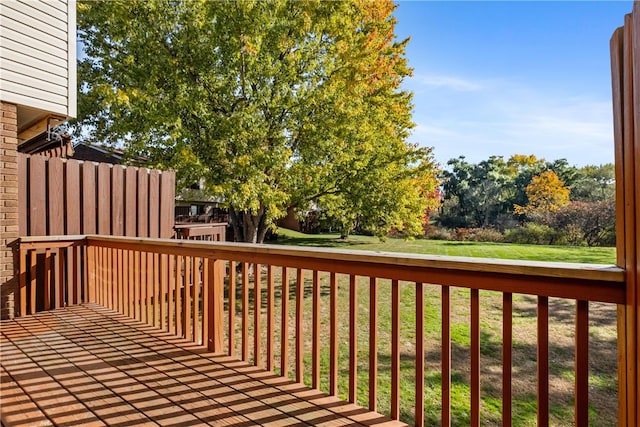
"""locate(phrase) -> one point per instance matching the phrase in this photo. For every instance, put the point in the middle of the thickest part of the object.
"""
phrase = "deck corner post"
(625, 68)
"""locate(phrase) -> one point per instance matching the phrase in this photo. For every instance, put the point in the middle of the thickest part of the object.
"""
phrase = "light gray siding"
(38, 54)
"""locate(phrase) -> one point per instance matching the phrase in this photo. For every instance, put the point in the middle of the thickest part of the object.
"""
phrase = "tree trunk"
(236, 223)
(248, 228)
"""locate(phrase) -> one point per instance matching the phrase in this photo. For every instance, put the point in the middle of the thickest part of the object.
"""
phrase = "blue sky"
(506, 77)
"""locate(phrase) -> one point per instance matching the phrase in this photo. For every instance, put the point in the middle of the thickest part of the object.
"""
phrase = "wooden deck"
(87, 365)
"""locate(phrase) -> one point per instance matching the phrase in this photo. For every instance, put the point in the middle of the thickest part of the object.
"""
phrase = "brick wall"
(8, 208)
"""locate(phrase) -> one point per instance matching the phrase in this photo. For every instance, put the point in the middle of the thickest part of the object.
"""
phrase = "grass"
(603, 380)
(438, 247)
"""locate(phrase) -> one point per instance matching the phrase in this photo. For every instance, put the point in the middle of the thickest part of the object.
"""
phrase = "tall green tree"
(274, 103)
(594, 184)
(476, 194)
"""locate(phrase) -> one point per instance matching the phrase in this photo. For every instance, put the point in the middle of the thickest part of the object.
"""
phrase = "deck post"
(625, 65)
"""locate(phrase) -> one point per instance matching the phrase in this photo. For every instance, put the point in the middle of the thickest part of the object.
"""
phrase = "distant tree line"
(526, 200)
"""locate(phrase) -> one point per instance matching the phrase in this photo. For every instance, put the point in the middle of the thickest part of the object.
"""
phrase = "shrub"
(484, 235)
(436, 233)
(532, 233)
(460, 234)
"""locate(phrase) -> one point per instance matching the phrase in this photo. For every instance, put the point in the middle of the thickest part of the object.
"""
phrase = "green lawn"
(603, 338)
(437, 247)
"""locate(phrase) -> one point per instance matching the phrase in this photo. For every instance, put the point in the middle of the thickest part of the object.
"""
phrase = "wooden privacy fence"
(64, 196)
(59, 196)
(625, 65)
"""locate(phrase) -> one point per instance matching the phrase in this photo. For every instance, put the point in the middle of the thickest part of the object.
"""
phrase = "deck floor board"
(92, 366)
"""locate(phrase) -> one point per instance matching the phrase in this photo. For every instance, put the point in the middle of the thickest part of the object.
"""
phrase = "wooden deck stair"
(89, 365)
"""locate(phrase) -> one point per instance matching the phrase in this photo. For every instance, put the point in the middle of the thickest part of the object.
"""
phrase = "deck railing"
(208, 293)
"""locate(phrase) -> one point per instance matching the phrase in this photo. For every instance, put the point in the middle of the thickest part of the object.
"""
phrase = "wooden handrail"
(595, 282)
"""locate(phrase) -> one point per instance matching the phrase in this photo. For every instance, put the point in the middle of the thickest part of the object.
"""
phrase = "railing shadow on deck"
(353, 321)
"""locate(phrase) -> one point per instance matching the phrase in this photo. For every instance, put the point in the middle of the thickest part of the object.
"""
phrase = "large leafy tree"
(476, 195)
(594, 184)
(275, 104)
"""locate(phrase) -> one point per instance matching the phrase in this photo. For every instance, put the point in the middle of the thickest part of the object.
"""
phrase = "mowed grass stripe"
(576, 254)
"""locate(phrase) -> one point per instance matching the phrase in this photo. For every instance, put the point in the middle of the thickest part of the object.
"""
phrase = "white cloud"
(448, 82)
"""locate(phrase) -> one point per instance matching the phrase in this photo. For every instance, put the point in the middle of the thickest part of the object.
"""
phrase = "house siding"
(38, 55)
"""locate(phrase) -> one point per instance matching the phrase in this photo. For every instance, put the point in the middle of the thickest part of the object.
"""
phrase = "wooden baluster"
(91, 275)
(23, 281)
(164, 284)
(284, 325)
(143, 287)
(32, 285)
(299, 328)
(171, 296)
(62, 263)
(186, 298)
(47, 279)
(195, 298)
(582, 364)
(99, 275)
(333, 334)
(149, 281)
(245, 311)
(446, 357)
(507, 357)
(69, 267)
(179, 292)
(74, 297)
(112, 278)
(353, 338)
(137, 303)
(208, 327)
(232, 308)
(543, 361)
(158, 296)
(315, 349)
(109, 282)
(270, 318)
(131, 283)
(257, 311)
(419, 407)
(125, 282)
(475, 358)
(373, 344)
(395, 349)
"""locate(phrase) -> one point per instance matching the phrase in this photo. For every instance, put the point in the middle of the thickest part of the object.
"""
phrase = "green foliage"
(275, 104)
(478, 235)
(475, 195)
(485, 195)
(532, 233)
(594, 184)
(545, 193)
(584, 223)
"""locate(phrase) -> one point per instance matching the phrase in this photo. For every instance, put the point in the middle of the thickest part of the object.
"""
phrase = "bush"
(484, 235)
(464, 234)
(532, 233)
(584, 223)
(436, 233)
